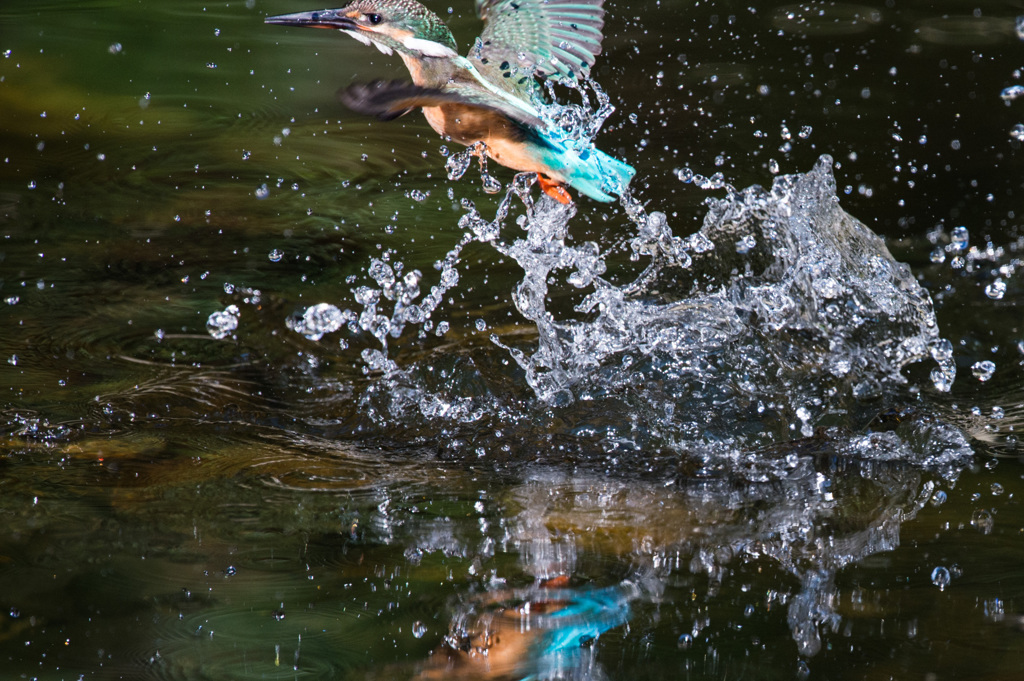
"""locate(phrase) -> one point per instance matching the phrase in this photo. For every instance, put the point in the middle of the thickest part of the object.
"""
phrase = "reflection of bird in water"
(533, 634)
(488, 96)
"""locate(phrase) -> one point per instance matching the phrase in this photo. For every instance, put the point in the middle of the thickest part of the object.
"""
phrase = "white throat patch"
(358, 35)
(428, 48)
(366, 40)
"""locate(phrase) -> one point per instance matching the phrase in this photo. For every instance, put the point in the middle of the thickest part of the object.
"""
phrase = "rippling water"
(282, 400)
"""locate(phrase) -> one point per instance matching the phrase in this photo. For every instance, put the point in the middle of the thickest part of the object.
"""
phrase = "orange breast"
(505, 141)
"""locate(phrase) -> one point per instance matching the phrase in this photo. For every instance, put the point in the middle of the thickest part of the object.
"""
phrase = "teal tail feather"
(606, 177)
(586, 168)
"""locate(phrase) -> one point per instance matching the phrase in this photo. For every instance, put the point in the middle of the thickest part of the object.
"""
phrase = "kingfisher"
(493, 94)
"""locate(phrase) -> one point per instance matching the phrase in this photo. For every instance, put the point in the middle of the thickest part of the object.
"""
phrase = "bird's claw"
(554, 189)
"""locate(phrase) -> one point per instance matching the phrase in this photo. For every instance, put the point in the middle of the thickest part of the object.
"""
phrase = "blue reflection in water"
(536, 633)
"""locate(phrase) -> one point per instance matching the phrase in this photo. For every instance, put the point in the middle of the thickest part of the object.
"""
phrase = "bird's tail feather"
(598, 175)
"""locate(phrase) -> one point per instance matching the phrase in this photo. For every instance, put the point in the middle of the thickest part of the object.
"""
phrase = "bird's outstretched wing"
(387, 100)
(540, 37)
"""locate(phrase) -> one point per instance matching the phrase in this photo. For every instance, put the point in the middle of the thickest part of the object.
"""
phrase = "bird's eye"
(374, 18)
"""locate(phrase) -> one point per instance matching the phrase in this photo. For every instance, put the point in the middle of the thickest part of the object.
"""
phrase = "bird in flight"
(490, 96)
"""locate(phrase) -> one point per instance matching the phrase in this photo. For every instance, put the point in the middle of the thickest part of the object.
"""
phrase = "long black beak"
(325, 18)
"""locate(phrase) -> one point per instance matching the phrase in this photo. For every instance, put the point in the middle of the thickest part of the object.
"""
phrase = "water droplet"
(262, 191)
(941, 577)
(115, 48)
(746, 244)
(982, 521)
(491, 184)
(959, 238)
(223, 323)
(941, 380)
(230, 571)
(938, 255)
(419, 629)
(1017, 132)
(983, 370)
(996, 290)
(321, 319)
(457, 165)
(1011, 93)
(684, 642)
(276, 255)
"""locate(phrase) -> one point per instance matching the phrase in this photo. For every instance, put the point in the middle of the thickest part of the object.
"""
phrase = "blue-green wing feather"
(541, 37)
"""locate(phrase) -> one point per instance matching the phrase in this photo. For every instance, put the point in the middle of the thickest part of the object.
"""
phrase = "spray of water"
(782, 324)
(779, 316)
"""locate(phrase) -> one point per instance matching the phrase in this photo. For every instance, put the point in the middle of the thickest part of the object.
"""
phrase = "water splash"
(812, 312)
(781, 316)
(749, 364)
(457, 165)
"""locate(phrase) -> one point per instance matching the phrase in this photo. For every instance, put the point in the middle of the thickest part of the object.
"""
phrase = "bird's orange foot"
(554, 189)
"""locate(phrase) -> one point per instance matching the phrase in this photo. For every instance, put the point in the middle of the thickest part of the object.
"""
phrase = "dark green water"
(180, 507)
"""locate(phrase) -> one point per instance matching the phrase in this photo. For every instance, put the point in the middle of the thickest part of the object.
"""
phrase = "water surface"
(711, 457)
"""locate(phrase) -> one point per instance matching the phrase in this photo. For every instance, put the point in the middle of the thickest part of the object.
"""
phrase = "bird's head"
(403, 26)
